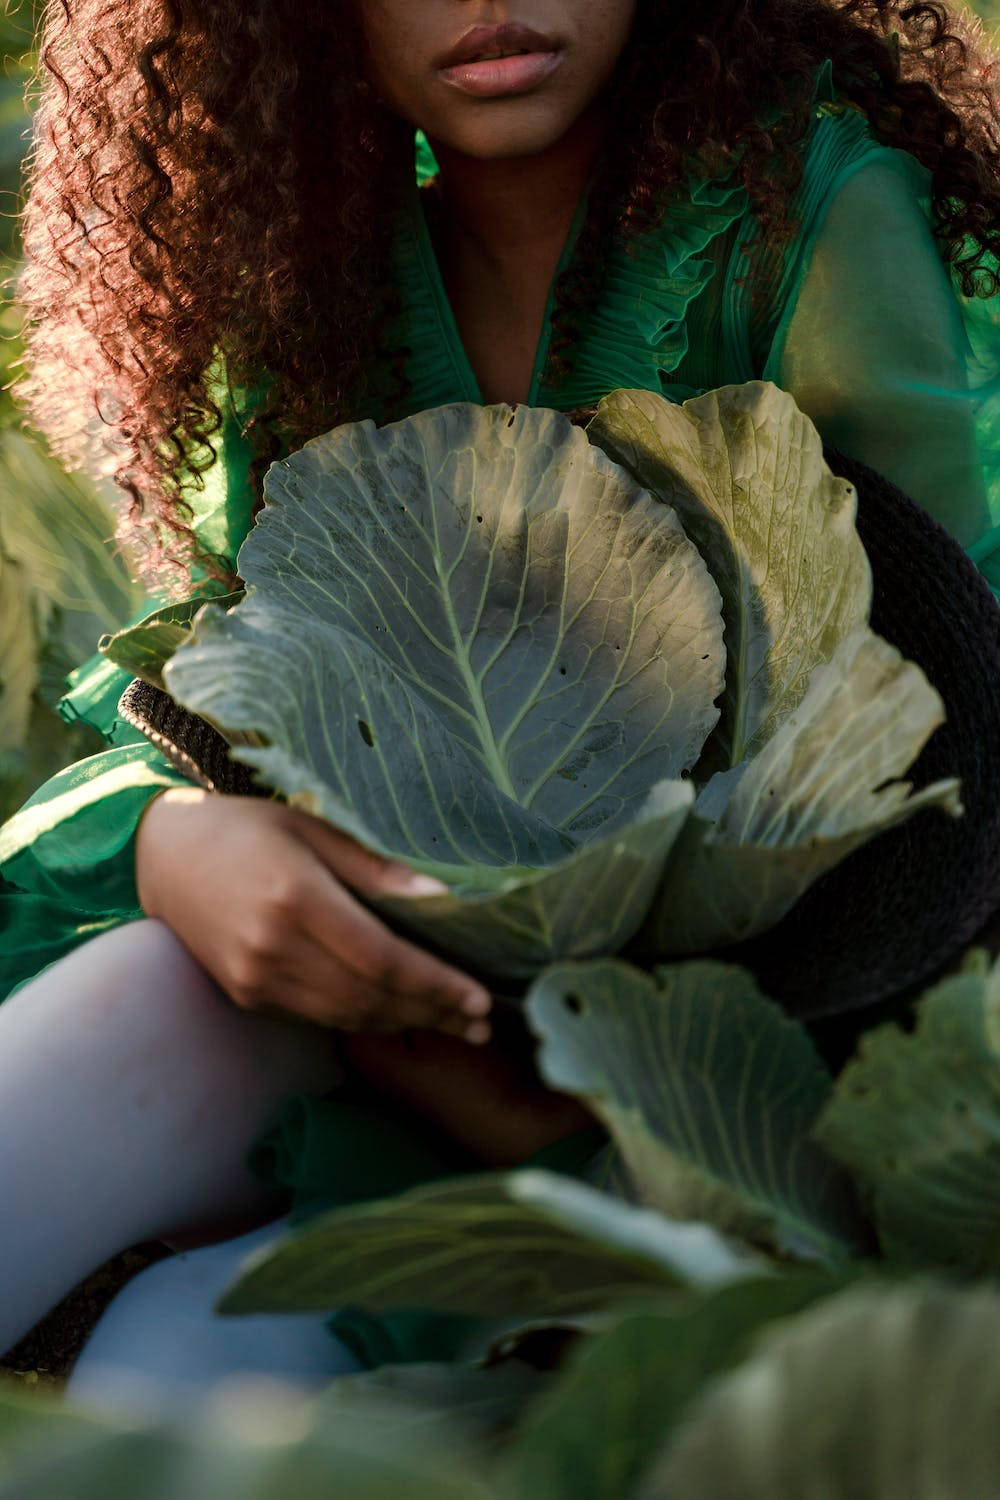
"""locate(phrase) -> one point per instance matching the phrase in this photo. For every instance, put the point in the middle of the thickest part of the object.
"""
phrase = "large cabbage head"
(607, 700)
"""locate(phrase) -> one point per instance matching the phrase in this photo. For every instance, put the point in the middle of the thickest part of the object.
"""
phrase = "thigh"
(125, 1070)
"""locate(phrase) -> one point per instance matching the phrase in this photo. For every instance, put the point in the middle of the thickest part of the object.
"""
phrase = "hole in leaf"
(573, 1004)
(366, 733)
(480, 520)
(562, 671)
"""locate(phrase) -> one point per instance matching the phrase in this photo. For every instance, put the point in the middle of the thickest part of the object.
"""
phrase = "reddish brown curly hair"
(211, 177)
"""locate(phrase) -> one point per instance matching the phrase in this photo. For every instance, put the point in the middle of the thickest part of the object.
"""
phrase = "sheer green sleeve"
(894, 367)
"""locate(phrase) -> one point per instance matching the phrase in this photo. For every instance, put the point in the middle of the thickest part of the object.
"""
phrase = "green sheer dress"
(862, 324)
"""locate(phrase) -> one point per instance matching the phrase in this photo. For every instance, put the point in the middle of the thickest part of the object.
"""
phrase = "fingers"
(425, 991)
(367, 873)
(313, 948)
(324, 991)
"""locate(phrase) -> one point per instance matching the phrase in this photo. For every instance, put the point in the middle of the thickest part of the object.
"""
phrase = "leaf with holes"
(710, 1093)
(475, 644)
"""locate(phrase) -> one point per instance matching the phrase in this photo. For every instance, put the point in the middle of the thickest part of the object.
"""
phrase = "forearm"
(488, 1099)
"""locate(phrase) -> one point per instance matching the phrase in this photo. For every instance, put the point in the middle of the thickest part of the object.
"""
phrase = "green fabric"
(350, 1148)
(861, 323)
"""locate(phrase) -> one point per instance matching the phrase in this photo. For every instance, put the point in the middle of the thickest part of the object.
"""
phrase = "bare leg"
(130, 1092)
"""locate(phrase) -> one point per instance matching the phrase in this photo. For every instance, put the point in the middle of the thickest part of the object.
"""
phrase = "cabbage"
(602, 699)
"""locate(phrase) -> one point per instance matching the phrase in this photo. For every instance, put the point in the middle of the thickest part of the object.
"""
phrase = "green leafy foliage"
(744, 469)
(438, 1403)
(594, 1433)
(475, 644)
(831, 777)
(917, 1117)
(145, 647)
(254, 1442)
(519, 1245)
(879, 1393)
(61, 585)
(710, 1093)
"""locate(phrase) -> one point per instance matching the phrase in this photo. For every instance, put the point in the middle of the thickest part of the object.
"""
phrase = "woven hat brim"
(904, 908)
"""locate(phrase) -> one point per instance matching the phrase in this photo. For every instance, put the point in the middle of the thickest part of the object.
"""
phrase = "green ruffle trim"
(633, 338)
(636, 335)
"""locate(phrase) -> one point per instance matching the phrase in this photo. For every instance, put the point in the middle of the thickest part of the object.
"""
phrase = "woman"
(228, 254)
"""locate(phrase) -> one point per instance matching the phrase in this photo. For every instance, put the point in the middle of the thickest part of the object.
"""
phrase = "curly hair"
(212, 185)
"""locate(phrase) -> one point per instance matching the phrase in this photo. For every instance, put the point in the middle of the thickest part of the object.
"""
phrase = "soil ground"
(46, 1355)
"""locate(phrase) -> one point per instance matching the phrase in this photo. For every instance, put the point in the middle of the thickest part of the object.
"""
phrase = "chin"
(497, 134)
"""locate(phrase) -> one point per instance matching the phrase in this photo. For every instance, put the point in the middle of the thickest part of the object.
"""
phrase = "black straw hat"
(905, 906)
(900, 910)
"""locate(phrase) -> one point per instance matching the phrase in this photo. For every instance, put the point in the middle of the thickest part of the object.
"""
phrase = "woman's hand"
(491, 1100)
(261, 894)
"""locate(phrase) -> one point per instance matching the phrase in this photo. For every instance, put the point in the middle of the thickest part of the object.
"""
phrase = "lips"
(492, 62)
(484, 43)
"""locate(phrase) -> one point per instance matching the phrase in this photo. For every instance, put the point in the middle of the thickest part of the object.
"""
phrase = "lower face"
(429, 60)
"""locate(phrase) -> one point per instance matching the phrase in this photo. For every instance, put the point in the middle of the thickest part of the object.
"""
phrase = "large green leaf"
(474, 644)
(525, 1244)
(709, 1091)
(917, 1117)
(744, 470)
(827, 781)
(595, 1431)
(879, 1393)
(549, 609)
(350, 742)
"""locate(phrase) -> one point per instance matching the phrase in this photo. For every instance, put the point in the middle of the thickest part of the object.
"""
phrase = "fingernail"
(479, 1033)
(412, 884)
(477, 1003)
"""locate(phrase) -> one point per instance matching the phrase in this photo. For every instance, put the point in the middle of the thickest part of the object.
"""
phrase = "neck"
(517, 207)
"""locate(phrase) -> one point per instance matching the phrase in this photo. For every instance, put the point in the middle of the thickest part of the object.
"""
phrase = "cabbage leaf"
(518, 1244)
(474, 644)
(828, 780)
(881, 1392)
(743, 468)
(916, 1116)
(710, 1093)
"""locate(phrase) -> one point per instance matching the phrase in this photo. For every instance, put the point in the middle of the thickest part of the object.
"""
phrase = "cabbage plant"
(605, 700)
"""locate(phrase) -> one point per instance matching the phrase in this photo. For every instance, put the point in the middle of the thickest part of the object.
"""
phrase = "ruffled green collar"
(634, 336)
